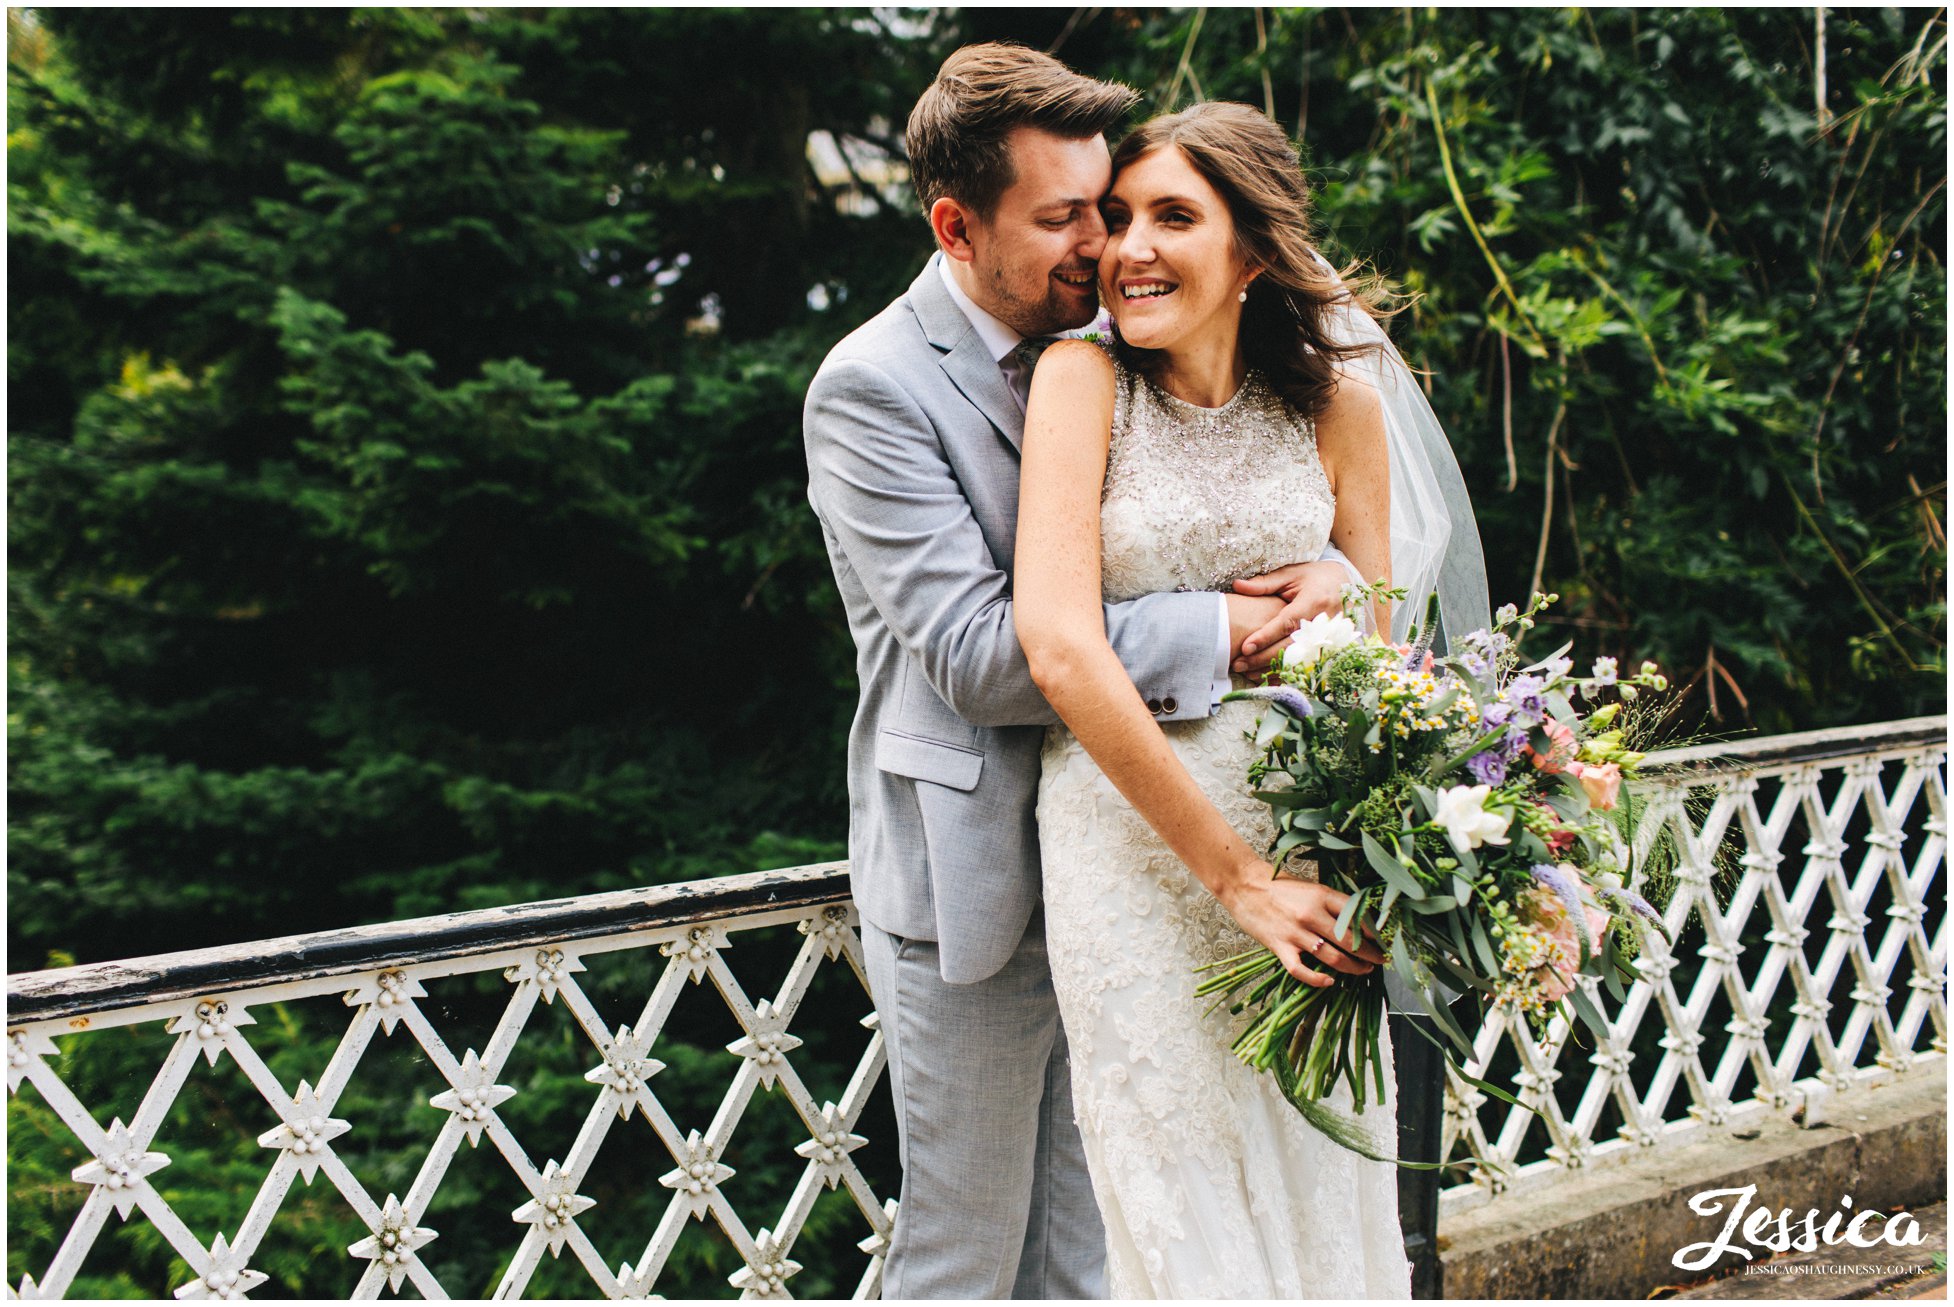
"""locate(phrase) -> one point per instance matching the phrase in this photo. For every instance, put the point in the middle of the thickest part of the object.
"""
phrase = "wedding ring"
(1317, 948)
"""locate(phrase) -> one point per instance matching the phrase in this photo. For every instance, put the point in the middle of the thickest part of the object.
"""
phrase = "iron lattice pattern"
(624, 1094)
(1801, 967)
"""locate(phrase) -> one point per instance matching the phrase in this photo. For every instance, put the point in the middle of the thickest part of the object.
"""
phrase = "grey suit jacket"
(912, 453)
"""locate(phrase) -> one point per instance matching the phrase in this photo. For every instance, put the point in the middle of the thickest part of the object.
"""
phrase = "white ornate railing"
(1813, 1017)
(1844, 986)
(215, 1003)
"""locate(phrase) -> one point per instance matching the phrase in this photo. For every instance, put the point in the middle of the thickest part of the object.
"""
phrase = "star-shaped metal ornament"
(24, 1049)
(307, 1131)
(121, 1167)
(226, 1277)
(474, 1097)
(695, 952)
(548, 968)
(556, 1204)
(391, 993)
(625, 1070)
(698, 1174)
(768, 1272)
(877, 1244)
(629, 1283)
(394, 1242)
(830, 928)
(767, 1044)
(832, 1143)
(211, 1024)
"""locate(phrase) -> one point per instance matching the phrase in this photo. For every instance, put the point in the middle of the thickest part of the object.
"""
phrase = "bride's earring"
(1243, 297)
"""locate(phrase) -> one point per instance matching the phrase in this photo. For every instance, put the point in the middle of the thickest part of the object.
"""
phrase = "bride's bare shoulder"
(1073, 370)
(1352, 423)
(1077, 361)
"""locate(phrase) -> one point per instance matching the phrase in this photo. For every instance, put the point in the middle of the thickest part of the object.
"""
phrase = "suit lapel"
(966, 359)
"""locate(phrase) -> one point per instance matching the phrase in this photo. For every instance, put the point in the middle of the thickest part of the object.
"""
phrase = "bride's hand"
(1307, 589)
(1297, 919)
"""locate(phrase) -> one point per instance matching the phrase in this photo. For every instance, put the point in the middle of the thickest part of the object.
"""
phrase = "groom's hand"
(1248, 614)
(1297, 921)
(1306, 589)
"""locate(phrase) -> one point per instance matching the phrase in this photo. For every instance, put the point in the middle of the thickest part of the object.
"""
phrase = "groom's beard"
(1060, 308)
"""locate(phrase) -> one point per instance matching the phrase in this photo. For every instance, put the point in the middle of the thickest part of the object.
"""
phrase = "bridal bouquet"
(1477, 820)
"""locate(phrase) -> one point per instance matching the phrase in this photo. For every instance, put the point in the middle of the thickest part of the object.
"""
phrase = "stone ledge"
(1610, 1233)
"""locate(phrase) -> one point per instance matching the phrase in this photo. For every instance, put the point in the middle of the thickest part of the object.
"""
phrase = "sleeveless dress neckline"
(1250, 378)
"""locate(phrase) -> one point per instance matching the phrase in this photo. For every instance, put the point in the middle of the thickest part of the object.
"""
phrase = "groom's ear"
(952, 222)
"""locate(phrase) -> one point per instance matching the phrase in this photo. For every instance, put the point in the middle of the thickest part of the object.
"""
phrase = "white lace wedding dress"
(1211, 1185)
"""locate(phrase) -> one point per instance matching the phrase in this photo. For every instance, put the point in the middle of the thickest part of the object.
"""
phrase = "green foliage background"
(406, 498)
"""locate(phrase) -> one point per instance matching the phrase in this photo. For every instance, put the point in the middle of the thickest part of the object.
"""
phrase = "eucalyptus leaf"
(1393, 871)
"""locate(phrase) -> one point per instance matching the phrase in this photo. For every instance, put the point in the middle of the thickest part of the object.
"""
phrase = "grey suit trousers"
(980, 1073)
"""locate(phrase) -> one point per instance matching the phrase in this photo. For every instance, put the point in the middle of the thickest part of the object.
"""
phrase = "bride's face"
(1170, 271)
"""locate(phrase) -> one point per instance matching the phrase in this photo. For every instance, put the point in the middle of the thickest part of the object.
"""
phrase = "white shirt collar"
(997, 337)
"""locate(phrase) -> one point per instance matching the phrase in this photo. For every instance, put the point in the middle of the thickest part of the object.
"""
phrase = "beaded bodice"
(1197, 498)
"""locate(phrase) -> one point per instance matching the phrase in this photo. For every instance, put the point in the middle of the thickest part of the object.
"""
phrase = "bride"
(1249, 411)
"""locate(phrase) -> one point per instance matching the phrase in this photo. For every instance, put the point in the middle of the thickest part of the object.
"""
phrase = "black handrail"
(71, 992)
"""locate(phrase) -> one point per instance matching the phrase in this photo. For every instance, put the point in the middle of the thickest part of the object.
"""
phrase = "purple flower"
(1514, 742)
(1635, 903)
(1285, 696)
(1525, 695)
(1488, 766)
(1479, 650)
(1562, 886)
(1294, 700)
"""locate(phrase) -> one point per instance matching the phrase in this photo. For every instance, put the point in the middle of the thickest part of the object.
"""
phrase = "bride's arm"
(1060, 625)
(1350, 442)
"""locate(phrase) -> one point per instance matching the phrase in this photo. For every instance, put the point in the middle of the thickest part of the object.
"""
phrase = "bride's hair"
(1252, 164)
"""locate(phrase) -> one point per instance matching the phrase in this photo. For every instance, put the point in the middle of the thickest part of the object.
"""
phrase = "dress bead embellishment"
(1197, 498)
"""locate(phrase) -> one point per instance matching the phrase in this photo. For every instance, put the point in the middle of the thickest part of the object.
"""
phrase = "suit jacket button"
(1153, 706)
(1169, 705)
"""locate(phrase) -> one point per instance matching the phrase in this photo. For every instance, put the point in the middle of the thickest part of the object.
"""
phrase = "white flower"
(1606, 670)
(1325, 633)
(1462, 812)
(1506, 613)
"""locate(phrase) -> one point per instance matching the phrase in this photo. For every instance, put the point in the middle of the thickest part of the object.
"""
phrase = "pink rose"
(1550, 915)
(1546, 911)
(1602, 781)
(1560, 751)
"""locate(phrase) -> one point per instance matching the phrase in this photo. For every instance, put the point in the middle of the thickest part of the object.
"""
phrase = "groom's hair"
(958, 131)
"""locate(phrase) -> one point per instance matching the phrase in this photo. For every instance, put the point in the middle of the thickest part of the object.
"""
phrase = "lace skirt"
(1210, 1184)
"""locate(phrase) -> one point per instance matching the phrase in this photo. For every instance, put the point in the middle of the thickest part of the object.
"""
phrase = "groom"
(912, 426)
